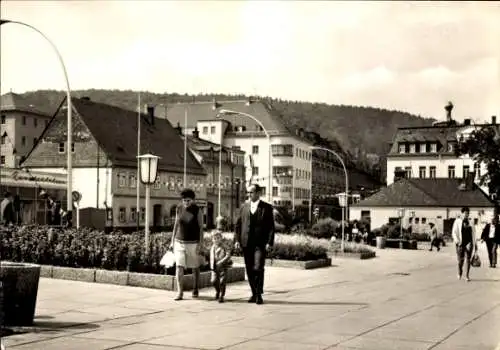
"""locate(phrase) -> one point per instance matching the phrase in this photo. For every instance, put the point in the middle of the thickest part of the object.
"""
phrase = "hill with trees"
(363, 132)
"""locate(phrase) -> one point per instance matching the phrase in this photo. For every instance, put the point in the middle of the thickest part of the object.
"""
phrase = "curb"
(304, 265)
(134, 279)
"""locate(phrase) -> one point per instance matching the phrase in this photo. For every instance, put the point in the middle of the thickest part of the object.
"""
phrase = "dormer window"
(433, 147)
(412, 148)
(451, 147)
(402, 148)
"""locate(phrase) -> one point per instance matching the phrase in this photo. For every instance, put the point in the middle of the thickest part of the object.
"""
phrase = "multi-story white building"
(429, 152)
(105, 163)
(291, 157)
(20, 125)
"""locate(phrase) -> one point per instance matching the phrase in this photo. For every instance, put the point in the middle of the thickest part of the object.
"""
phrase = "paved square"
(399, 300)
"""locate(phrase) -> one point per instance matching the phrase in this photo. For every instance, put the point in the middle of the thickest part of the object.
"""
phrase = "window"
(408, 172)
(122, 214)
(450, 147)
(421, 172)
(477, 169)
(255, 149)
(157, 183)
(432, 172)
(72, 147)
(402, 148)
(4, 139)
(133, 214)
(212, 129)
(451, 171)
(3, 119)
(275, 191)
(2, 160)
(412, 148)
(424, 220)
(205, 130)
(61, 147)
(133, 181)
(417, 221)
(255, 171)
(282, 171)
(143, 214)
(433, 147)
(23, 141)
(24, 120)
(282, 150)
(122, 180)
(34, 140)
(35, 122)
(466, 171)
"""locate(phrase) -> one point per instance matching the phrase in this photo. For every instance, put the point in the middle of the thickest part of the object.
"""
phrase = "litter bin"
(380, 242)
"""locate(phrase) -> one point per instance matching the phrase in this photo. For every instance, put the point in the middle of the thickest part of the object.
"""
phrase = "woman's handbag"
(168, 260)
(475, 262)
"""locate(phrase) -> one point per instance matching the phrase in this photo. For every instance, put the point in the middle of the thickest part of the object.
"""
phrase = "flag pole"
(138, 182)
(185, 146)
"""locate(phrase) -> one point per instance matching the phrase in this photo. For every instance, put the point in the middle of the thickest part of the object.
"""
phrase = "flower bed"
(351, 250)
(92, 249)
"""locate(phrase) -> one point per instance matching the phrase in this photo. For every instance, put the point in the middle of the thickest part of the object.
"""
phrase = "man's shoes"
(259, 300)
(217, 296)
(195, 293)
(459, 276)
(178, 297)
(221, 299)
(252, 299)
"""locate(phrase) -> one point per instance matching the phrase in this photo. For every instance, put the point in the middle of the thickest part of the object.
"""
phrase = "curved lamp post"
(149, 169)
(223, 112)
(344, 201)
(69, 122)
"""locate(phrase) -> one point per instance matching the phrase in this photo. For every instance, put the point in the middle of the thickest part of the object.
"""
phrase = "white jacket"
(456, 231)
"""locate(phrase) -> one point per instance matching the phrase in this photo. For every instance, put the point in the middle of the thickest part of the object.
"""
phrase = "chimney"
(178, 128)
(467, 122)
(448, 108)
(469, 181)
(215, 104)
(494, 119)
(196, 133)
(151, 113)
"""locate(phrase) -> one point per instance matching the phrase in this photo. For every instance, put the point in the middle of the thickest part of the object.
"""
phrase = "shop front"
(27, 188)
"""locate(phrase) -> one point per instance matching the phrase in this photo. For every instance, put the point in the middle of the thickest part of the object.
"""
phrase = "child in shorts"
(220, 260)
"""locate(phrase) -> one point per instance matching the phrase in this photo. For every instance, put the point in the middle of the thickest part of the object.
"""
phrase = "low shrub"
(349, 247)
(324, 228)
(87, 248)
(297, 247)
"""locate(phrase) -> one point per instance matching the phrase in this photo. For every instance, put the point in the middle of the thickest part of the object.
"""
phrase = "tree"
(483, 145)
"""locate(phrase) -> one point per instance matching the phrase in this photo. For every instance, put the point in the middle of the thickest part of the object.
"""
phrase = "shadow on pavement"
(55, 326)
(291, 302)
(43, 317)
(484, 280)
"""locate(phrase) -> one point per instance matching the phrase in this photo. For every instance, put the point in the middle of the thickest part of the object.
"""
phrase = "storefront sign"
(16, 176)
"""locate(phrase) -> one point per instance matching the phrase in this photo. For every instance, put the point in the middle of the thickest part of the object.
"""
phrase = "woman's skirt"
(186, 255)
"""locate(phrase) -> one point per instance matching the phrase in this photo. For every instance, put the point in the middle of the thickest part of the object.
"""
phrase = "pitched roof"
(205, 145)
(14, 102)
(440, 192)
(115, 130)
(204, 111)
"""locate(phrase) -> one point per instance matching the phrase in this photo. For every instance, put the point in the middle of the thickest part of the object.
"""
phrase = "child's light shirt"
(217, 253)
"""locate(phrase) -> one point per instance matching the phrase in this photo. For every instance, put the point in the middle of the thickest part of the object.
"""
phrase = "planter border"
(305, 265)
(351, 255)
(134, 279)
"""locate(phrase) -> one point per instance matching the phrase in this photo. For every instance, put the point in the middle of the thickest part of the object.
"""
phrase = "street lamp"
(149, 168)
(219, 215)
(69, 201)
(223, 112)
(345, 203)
(401, 214)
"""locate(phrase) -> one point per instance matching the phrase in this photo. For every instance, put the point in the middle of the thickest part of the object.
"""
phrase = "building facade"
(105, 163)
(291, 158)
(232, 171)
(21, 123)
(429, 152)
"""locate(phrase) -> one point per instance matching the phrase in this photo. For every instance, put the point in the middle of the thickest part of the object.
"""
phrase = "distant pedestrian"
(491, 235)
(435, 238)
(464, 237)
(7, 213)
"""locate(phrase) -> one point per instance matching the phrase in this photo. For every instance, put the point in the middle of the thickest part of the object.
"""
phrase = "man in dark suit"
(254, 234)
(491, 235)
(7, 210)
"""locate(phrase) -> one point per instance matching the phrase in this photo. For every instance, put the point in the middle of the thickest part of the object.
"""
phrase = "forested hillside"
(361, 131)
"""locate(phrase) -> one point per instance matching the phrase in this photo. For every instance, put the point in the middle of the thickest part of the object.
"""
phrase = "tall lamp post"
(149, 168)
(226, 112)
(69, 200)
(346, 194)
(401, 215)
(219, 215)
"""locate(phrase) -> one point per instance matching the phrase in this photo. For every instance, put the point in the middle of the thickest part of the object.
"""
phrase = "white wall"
(205, 129)
(380, 216)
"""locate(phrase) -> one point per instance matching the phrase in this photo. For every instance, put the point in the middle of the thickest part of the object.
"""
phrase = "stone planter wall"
(350, 255)
(305, 265)
(19, 292)
(135, 279)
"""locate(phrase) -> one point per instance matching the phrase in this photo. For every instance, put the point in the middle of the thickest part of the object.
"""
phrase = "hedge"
(87, 248)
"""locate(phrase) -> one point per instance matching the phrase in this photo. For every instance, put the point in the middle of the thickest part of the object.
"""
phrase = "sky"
(406, 56)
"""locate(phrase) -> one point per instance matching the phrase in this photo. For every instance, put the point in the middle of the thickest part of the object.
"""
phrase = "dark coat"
(263, 230)
(486, 233)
